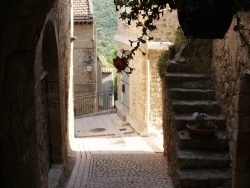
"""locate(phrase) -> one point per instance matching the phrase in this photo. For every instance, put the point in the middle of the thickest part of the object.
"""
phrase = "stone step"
(115, 119)
(120, 111)
(188, 81)
(217, 142)
(192, 94)
(182, 120)
(202, 159)
(205, 106)
(203, 178)
(174, 67)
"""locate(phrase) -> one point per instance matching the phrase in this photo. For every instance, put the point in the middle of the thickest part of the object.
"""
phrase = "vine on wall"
(240, 28)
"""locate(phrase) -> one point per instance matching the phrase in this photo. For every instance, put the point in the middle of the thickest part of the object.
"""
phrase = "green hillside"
(106, 23)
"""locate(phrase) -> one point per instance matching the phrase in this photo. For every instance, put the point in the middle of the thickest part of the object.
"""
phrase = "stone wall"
(137, 95)
(231, 64)
(138, 92)
(169, 132)
(155, 92)
(23, 23)
(166, 27)
(145, 85)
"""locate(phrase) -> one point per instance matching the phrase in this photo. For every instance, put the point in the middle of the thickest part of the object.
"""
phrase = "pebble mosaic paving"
(129, 170)
(116, 157)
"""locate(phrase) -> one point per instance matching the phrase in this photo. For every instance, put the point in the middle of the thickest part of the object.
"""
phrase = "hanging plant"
(240, 28)
(205, 19)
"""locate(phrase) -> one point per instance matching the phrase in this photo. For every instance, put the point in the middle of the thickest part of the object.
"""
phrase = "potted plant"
(201, 126)
(205, 19)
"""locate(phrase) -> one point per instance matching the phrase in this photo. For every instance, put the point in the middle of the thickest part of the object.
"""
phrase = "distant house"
(84, 50)
(84, 58)
(139, 95)
(88, 85)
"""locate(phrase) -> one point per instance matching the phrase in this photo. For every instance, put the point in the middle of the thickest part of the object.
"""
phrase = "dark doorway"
(45, 120)
(51, 92)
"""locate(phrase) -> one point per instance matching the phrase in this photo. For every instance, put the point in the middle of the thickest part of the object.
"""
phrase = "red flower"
(121, 64)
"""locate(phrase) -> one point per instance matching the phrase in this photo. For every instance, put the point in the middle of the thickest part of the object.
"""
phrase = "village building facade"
(140, 94)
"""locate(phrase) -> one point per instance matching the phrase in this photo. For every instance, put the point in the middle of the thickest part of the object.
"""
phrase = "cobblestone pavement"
(116, 157)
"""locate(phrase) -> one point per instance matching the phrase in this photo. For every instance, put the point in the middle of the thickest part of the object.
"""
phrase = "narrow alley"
(109, 154)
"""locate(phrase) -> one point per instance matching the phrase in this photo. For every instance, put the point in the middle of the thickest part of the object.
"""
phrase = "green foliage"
(105, 63)
(172, 50)
(115, 88)
(161, 63)
(241, 30)
(201, 122)
(106, 23)
(179, 38)
(114, 54)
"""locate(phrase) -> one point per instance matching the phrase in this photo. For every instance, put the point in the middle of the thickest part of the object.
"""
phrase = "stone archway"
(53, 135)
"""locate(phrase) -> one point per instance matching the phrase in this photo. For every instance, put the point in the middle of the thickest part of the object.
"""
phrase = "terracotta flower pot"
(201, 132)
(211, 20)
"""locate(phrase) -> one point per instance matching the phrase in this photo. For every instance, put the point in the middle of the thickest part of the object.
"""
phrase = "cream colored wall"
(84, 46)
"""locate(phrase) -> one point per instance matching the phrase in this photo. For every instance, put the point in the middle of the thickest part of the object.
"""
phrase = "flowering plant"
(198, 18)
(200, 121)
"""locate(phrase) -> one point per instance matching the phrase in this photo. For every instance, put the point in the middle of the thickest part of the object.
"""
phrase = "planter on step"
(201, 127)
(201, 133)
(205, 19)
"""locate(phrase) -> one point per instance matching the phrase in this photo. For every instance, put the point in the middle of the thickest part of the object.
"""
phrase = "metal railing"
(92, 103)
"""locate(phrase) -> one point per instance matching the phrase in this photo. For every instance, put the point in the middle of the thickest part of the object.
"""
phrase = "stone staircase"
(197, 162)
